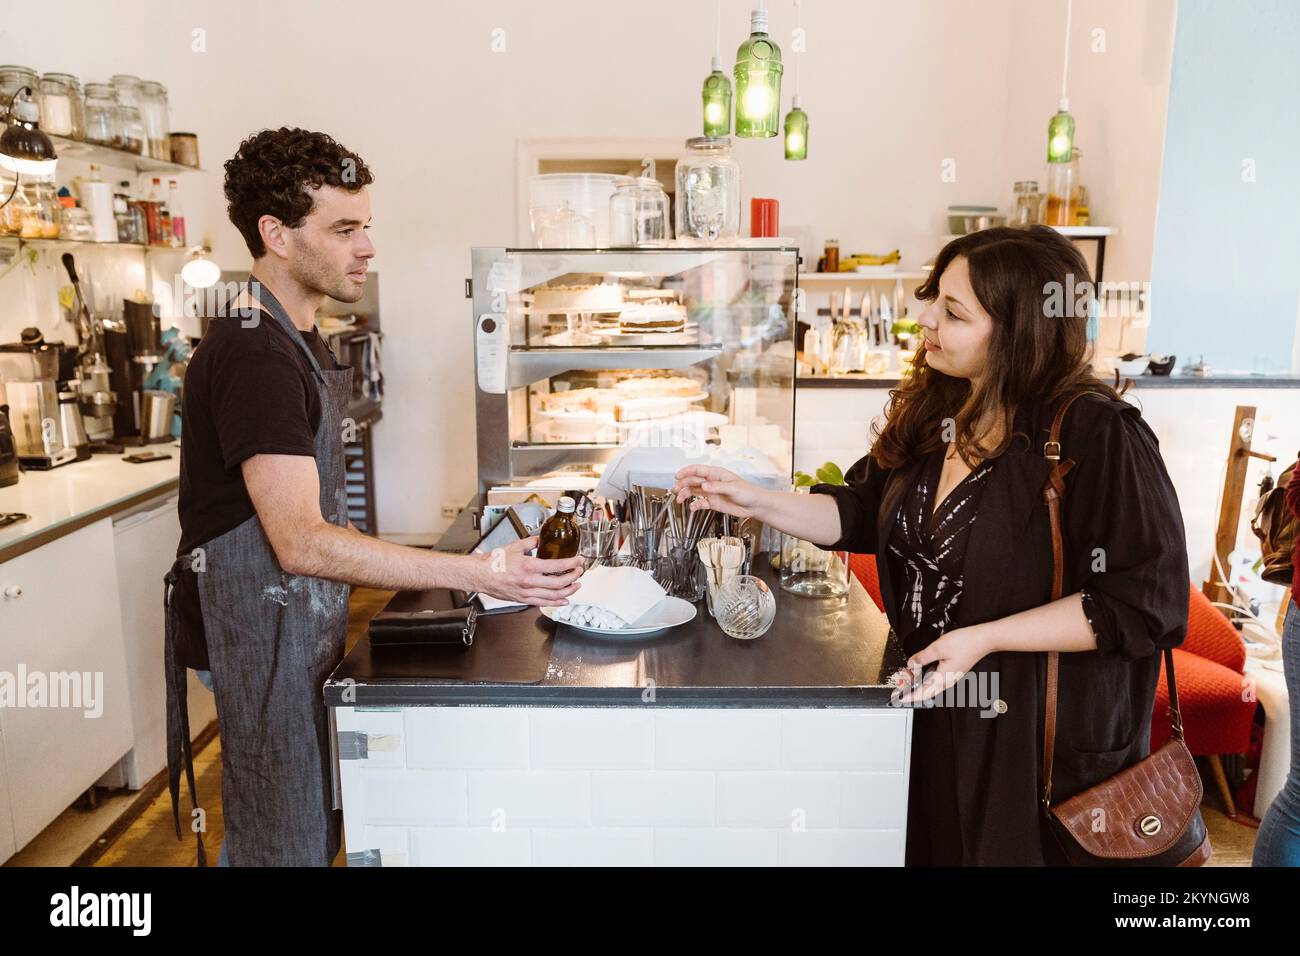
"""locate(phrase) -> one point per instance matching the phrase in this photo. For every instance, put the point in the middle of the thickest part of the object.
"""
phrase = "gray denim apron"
(272, 639)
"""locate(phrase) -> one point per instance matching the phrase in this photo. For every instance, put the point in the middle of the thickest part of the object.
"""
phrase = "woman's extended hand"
(955, 653)
(721, 490)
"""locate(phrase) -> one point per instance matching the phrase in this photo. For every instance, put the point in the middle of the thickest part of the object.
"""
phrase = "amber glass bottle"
(559, 535)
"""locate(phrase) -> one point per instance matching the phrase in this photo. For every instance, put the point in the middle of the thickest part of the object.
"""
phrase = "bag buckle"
(1047, 452)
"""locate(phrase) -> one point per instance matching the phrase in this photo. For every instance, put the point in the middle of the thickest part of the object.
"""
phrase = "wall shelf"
(84, 152)
(838, 278)
(16, 243)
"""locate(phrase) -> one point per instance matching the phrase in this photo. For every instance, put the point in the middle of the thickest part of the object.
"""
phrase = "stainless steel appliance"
(156, 410)
(28, 370)
(582, 353)
(91, 379)
(70, 425)
(9, 467)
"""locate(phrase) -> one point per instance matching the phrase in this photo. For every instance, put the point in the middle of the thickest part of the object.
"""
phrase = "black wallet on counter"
(453, 628)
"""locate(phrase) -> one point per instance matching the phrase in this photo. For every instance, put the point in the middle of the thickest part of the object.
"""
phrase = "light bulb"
(794, 142)
(713, 112)
(200, 273)
(758, 97)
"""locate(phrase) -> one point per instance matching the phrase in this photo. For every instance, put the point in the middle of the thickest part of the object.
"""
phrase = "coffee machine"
(133, 349)
(91, 380)
(29, 370)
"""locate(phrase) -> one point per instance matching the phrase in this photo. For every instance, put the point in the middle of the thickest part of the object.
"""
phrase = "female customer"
(949, 499)
(1278, 841)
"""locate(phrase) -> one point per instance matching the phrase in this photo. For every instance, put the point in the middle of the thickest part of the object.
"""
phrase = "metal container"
(156, 410)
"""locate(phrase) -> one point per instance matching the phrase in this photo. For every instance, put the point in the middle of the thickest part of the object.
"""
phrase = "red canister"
(764, 218)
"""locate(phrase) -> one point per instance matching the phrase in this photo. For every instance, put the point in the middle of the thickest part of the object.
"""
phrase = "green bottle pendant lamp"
(1060, 135)
(717, 102)
(758, 82)
(796, 132)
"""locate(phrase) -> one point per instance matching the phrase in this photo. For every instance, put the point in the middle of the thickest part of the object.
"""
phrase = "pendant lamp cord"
(1065, 68)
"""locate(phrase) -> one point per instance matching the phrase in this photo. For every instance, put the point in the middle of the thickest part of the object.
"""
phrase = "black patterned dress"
(926, 554)
(927, 551)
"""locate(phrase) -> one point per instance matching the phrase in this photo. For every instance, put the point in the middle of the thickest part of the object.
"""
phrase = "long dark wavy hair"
(1036, 286)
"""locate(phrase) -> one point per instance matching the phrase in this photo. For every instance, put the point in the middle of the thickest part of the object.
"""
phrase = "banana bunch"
(849, 263)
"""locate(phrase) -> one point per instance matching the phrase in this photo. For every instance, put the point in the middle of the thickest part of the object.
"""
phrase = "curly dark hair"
(271, 171)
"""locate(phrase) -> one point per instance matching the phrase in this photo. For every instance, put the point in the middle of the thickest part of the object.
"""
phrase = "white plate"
(696, 417)
(669, 612)
(562, 415)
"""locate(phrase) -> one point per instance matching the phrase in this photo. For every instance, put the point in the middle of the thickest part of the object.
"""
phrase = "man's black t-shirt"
(249, 390)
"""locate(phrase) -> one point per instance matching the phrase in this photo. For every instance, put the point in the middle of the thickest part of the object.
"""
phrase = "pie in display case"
(583, 353)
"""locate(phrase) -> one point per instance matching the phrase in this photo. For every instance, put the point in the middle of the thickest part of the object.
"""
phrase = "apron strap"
(179, 748)
(273, 306)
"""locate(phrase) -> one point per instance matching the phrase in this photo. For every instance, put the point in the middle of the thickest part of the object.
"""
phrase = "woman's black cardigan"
(1124, 542)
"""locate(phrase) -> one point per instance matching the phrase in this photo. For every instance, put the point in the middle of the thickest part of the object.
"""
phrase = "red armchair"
(1217, 711)
(863, 567)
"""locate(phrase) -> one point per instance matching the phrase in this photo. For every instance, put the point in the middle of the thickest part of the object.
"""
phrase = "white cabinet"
(144, 543)
(61, 625)
(7, 847)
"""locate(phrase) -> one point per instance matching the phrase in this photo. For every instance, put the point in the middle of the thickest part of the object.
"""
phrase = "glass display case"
(583, 353)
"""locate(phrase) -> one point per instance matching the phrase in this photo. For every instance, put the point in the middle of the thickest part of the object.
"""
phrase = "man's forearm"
(341, 554)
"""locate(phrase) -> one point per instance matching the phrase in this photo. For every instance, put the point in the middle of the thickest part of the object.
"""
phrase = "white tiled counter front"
(641, 785)
(687, 747)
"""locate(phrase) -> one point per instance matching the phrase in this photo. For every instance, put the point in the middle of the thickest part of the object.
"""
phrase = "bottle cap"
(566, 505)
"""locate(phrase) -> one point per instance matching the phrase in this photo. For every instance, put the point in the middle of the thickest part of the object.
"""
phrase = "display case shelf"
(547, 410)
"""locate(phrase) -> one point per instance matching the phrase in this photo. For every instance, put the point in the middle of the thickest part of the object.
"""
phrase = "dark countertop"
(1140, 381)
(818, 653)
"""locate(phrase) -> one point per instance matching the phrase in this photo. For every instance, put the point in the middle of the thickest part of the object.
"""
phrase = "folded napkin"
(658, 467)
(625, 593)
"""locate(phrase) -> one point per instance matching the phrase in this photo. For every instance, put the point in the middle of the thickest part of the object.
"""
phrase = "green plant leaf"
(830, 474)
(803, 480)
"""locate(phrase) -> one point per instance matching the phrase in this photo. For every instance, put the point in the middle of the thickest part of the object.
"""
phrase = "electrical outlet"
(451, 511)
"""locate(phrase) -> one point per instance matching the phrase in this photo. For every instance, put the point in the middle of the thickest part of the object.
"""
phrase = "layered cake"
(640, 399)
(659, 386)
(652, 317)
(648, 407)
(605, 297)
(591, 401)
(632, 399)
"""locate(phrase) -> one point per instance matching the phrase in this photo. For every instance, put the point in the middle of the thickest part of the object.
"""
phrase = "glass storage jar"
(157, 127)
(810, 570)
(132, 126)
(63, 111)
(638, 214)
(103, 124)
(708, 190)
(1029, 204)
(12, 79)
(11, 213)
(128, 88)
(78, 224)
(45, 210)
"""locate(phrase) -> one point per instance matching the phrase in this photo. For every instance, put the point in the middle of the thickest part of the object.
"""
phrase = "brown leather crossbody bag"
(1148, 814)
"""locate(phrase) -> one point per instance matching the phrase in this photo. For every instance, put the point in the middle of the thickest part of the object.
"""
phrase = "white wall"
(892, 90)
(1229, 193)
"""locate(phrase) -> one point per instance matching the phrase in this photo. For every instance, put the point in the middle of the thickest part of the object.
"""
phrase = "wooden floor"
(146, 836)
